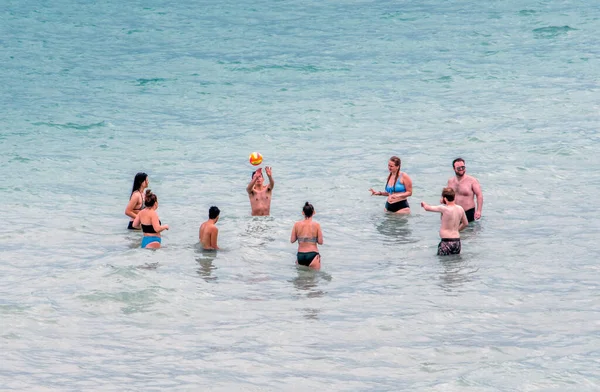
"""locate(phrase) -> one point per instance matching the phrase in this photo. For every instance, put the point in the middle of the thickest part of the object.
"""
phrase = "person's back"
(453, 221)
(150, 223)
(452, 215)
(208, 230)
(308, 234)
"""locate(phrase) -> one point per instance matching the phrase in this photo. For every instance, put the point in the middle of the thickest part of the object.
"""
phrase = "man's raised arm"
(427, 207)
(252, 182)
(270, 176)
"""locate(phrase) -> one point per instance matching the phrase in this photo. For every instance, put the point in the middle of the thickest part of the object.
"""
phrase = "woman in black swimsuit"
(136, 199)
(308, 234)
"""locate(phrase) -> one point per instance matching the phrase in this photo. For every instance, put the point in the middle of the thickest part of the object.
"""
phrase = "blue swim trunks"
(147, 240)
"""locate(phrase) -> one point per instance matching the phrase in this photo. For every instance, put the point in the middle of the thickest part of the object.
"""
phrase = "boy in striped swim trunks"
(454, 220)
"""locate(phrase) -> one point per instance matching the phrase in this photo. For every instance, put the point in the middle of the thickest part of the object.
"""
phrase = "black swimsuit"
(397, 206)
(149, 228)
(305, 258)
(470, 214)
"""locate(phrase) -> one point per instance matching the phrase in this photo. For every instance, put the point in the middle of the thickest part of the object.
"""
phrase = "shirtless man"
(454, 220)
(466, 187)
(260, 194)
(209, 231)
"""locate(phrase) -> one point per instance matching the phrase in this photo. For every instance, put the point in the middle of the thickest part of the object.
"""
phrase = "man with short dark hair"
(259, 193)
(453, 221)
(466, 188)
(209, 231)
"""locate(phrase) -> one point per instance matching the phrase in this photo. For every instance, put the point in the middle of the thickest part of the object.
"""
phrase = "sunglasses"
(460, 168)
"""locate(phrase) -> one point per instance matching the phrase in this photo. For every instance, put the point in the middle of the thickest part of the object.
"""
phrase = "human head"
(139, 179)
(448, 194)
(213, 212)
(459, 163)
(308, 210)
(259, 179)
(151, 198)
(394, 164)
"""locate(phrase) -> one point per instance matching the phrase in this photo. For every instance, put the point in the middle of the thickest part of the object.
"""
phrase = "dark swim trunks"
(470, 214)
(449, 246)
(305, 258)
(130, 226)
(396, 206)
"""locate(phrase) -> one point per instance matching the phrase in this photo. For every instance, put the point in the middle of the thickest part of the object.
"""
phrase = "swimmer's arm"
(378, 193)
(213, 238)
(464, 222)
(156, 225)
(479, 195)
(319, 236)
(293, 238)
(136, 222)
(427, 207)
(250, 186)
(270, 177)
(129, 209)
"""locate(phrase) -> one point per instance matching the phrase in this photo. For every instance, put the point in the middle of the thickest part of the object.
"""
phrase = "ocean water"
(93, 92)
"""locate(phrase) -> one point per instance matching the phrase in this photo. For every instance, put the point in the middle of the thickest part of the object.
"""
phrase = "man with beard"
(466, 188)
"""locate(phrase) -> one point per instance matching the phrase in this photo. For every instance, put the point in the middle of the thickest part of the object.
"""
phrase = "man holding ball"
(259, 193)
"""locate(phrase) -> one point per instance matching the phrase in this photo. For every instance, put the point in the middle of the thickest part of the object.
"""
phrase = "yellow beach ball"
(256, 158)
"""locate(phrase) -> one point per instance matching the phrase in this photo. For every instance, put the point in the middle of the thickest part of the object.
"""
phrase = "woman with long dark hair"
(308, 234)
(149, 222)
(136, 198)
(398, 188)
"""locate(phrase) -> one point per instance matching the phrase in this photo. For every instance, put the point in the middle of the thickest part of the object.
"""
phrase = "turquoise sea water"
(93, 92)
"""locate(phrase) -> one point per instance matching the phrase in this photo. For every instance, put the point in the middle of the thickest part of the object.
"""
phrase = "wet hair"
(252, 176)
(151, 198)
(138, 181)
(397, 162)
(213, 212)
(308, 210)
(448, 193)
(457, 160)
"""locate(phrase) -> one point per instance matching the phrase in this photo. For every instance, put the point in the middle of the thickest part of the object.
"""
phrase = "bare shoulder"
(452, 181)
(472, 179)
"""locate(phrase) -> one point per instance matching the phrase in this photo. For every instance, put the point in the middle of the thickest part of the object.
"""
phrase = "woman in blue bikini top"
(398, 188)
